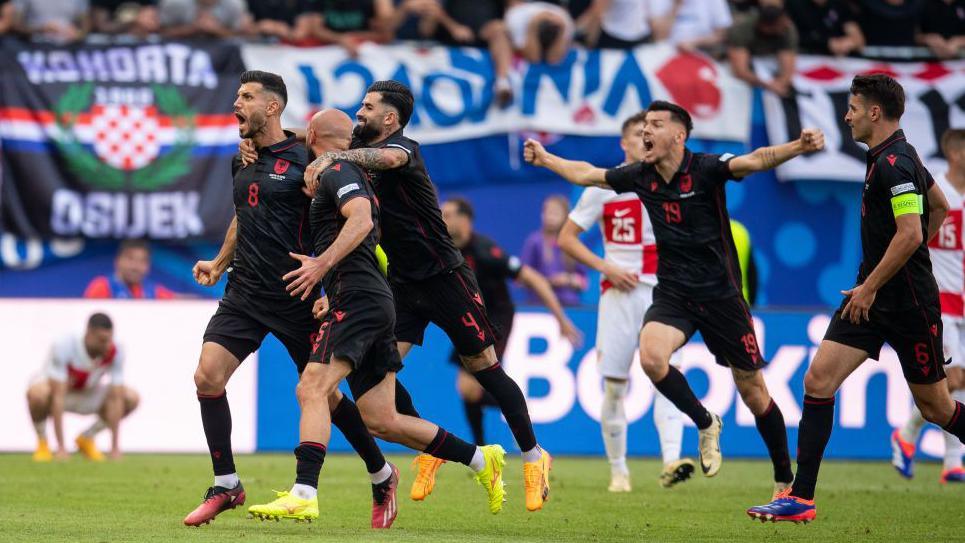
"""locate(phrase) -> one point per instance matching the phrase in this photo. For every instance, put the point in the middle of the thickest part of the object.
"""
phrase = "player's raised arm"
(574, 171)
(358, 224)
(766, 158)
(208, 272)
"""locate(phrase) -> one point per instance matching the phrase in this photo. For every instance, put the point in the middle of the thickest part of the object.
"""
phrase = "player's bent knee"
(38, 395)
(381, 424)
(654, 361)
(208, 382)
(818, 383)
(131, 400)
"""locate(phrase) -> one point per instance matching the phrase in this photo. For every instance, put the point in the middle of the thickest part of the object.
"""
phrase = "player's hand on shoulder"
(248, 152)
(207, 273)
(534, 152)
(314, 171)
(812, 139)
(320, 308)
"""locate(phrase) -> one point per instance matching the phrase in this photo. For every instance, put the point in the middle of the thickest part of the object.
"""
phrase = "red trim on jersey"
(650, 259)
(76, 378)
(952, 304)
(109, 356)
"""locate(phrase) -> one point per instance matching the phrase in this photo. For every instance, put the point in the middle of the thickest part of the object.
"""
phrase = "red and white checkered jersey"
(69, 363)
(947, 254)
(628, 240)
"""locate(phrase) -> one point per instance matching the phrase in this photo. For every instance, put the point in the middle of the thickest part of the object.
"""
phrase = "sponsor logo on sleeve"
(904, 187)
(347, 189)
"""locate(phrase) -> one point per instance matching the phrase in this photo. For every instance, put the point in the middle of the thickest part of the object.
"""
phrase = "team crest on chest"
(653, 186)
(686, 186)
(281, 166)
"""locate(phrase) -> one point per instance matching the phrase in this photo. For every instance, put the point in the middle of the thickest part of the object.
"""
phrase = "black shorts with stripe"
(359, 329)
(452, 301)
(725, 324)
(242, 321)
(915, 335)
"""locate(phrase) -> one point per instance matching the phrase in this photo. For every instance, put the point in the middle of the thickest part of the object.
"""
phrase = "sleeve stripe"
(397, 146)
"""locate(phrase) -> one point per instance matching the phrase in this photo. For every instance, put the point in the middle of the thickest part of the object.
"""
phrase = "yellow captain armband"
(904, 204)
(383, 260)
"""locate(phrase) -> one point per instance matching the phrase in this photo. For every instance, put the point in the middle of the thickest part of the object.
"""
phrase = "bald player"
(356, 340)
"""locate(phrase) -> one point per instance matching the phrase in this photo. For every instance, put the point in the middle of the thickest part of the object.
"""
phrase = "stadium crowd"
(535, 30)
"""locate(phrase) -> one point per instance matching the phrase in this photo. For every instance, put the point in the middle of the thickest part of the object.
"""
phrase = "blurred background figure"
(493, 267)
(72, 382)
(349, 23)
(888, 22)
(693, 24)
(58, 21)
(289, 21)
(619, 24)
(129, 280)
(203, 18)
(826, 27)
(767, 31)
(138, 18)
(540, 31)
(541, 251)
(942, 27)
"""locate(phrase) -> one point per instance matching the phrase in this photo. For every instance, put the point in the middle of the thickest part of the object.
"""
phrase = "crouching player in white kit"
(71, 382)
(948, 264)
(629, 268)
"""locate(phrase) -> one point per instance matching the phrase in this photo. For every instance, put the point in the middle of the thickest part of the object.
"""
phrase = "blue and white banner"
(589, 93)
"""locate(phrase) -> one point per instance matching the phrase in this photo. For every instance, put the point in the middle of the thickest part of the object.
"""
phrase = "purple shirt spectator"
(542, 253)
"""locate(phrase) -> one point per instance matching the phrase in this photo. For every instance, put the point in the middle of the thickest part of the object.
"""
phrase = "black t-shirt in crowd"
(111, 5)
(475, 14)
(698, 259)
(414, 236)
(272, 212)
(886, 24)
(493, 267)
(281, 10)
(347, 15)
(894, 179)
(359, 270)
(817, 23)
(944, 18)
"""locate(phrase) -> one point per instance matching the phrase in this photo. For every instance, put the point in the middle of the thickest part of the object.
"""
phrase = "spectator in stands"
(620, 24)
(349, 23)
(888, 22)
(415, 19)
(129, 281)
(203, 18)
(290, 21)
(59, 21)
(138, 17)
(764, 32)
(693, 24)
(540, 31)
(8, 16)
(542, 252)
(942, 27)
(825, 27)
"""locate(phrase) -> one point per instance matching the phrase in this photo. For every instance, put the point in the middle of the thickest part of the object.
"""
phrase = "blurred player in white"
(72, 381)
(948, 264)
(629, 270)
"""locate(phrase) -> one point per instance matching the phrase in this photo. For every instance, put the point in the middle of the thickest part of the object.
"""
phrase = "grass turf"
(144, 498)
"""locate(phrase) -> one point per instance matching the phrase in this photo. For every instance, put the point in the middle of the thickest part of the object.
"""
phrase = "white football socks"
(41, 428)
(478, 461)
(613, 424)
(912, 429)
(94, 429)
(227, 481)
(382, 475)
(304, 492)
(670, 427)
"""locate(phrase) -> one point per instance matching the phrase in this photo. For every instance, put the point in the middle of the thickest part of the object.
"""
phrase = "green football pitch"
(144, 498)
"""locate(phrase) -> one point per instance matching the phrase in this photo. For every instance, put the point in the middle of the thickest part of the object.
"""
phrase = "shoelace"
(532, 477)
(422, 464)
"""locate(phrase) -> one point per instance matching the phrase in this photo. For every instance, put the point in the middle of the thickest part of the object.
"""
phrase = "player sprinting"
(948, 264)
(72, 381)
(493, 267)
(698, 278)
(269, 224)
(356, 339)
(895, 298)
(629, 270)
(430, 281)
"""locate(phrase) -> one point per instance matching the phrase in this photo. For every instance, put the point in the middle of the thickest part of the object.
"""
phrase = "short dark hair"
(632, 120)
(463, 207)
(136, 243)
(677, 113)
(396, 95)
(547, 32)
(883, 91)
(953, 137)
(100, 321)
(270, 82)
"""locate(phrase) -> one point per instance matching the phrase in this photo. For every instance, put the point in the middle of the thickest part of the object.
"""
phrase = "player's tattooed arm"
(387, 158)
(767, 158)
(574, 171)
(208, 272)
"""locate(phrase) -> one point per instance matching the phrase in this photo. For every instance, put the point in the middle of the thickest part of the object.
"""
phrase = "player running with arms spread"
(698, 277)
(895, 299)
(430, 280)
(270, 211)
(356, 339)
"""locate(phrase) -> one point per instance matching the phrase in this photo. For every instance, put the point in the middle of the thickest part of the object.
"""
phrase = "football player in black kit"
(270, 212)
(493, 267)
(430, 281)
(356, 339)
(698, 274)
(895, 298)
